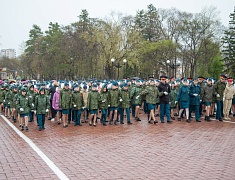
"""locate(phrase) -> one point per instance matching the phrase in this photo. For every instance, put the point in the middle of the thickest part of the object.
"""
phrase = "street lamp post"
(124, 61)
(173, 66)
(112, 60)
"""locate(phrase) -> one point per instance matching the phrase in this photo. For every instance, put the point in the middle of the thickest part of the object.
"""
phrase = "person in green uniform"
(42, 105)
(13, 103)
(136, 99)
(114, 94)
(124, 105)
(31, 95)
(23, 107)
(65, 103)
(103, 103)
(219, 90)
(93, 104)
(77, 105)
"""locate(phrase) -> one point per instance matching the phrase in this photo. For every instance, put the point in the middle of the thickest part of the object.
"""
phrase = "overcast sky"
(18, 16)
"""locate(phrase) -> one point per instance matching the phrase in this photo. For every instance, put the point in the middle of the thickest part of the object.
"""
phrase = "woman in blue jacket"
(183, 98)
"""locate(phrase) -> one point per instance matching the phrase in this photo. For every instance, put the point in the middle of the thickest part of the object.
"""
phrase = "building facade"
(9, 53)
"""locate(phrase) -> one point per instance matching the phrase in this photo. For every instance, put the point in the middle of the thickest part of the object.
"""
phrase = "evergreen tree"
(229, 46)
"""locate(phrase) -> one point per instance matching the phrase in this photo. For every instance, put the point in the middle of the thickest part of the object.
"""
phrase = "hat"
(94, 85)
(163, 77)
(222, 76)
(195, 79)
(23, 89)
(185, 80)
(66, 84)
(209, 79)
(84, 86)
(230, 79)
(114, 83)
(124, 85)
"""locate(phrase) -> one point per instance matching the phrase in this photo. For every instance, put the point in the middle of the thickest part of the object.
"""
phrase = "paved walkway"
(179, 150)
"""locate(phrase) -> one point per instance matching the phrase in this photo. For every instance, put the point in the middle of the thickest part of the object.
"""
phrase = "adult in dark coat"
(164, 91)
(194, 101)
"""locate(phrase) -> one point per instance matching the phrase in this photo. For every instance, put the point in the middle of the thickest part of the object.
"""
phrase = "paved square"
(140, 151)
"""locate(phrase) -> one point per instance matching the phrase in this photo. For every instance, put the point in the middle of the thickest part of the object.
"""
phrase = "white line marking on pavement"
(52, 165)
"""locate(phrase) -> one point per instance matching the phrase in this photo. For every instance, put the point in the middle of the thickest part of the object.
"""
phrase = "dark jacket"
(194, 100)
(164, 99)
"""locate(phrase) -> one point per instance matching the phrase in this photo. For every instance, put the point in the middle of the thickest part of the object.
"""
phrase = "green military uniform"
(77, 104)
(219, 91)
(31, 94)
(42, 105)
(103, 104)
(124, 99)
(65, 99)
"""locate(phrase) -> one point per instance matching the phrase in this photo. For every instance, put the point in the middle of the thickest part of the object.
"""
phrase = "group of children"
(65, 102)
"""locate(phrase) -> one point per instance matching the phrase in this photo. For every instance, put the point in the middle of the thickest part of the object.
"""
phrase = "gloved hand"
(137, 97)
(30, 96)
(166, 93)
(170, 103)
(32, 110)
(223, 99)
(9, 103)
(35, 112)
(108, 105)
(4, 100)
(21, 109)
(83, 107)
(195, 95)
(47, 110)
(103, 101)
(120, 100)
(74, 105)
(200, 100)
(218, 95)
(176, 102)
(32, 105)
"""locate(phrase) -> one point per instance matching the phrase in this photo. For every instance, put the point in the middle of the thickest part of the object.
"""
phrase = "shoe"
(129, 123)
(115, 122)
(198, 120)
(20, 125)
(233, 115)
(90, 124)
(188, 120)
(58, 122)
(79, 124)
(52, 119)
(173, 118)
(22, 128)
(150, 122)
(121, 122)
(179, 119)
(175, 114)
(137, 119)
(169, 121)
(94, 125)
(30, 120)
(104, 125)
(155, 122)
(162, 122)
(69, 122)
(39, 129)
(75, 124)
(26, 128)
(64, 126)
(110, 122)
(49, 118)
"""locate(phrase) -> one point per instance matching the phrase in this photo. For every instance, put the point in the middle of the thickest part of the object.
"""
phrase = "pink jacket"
(55, 100)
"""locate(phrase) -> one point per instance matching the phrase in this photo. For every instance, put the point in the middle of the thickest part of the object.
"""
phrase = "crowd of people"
(112, 102)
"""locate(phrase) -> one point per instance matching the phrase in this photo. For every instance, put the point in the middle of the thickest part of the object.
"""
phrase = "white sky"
(18, 16)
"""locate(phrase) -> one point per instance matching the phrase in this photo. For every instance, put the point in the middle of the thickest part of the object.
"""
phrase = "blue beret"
(114, 83)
